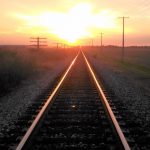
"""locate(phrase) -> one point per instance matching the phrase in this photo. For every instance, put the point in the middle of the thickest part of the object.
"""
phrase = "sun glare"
(77, 23)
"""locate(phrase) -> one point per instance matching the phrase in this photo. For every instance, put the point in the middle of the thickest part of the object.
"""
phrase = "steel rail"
(110, 112)
(41, 113)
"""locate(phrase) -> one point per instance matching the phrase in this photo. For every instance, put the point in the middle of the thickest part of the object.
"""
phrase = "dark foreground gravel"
(132, 91)
(13, 105)
(134, 94)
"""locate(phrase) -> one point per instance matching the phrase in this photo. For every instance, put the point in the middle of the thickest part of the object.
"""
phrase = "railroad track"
(76, 115)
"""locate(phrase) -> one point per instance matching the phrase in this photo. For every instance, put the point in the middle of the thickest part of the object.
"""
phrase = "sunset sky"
(75, 21)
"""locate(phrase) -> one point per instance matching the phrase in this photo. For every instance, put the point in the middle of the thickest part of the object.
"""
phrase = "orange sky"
(75, 21)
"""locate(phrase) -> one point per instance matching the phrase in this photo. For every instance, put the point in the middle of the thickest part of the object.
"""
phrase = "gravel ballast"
(134, 94)
(13, 105)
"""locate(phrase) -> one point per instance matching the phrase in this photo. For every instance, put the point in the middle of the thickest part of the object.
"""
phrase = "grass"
(12, 71)
(135, 67)
(19, 63)
(136, 58)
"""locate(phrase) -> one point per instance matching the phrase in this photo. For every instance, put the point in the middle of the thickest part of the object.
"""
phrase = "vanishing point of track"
(76, 115)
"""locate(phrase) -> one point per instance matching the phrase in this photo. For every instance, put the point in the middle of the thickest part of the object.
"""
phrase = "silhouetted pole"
(101, 40)
(123, 19)
(92, 43)
(64, 46)
(38, 41)
(57, 44)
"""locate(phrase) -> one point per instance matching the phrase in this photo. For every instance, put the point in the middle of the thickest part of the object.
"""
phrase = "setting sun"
(78, 22)
(74, 22)
(65, 65)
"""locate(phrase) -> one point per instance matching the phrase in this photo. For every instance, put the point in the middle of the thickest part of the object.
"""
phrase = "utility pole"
(101, 38)
(38, 42)
(64, 45)
(123, 19)
(92, 42)
(101, 34)
(57, 44)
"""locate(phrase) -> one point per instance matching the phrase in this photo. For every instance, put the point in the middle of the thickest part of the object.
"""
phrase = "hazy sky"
(75, 21)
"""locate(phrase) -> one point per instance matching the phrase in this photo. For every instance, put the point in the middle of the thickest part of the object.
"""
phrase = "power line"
(123, 19)
(38, 42)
